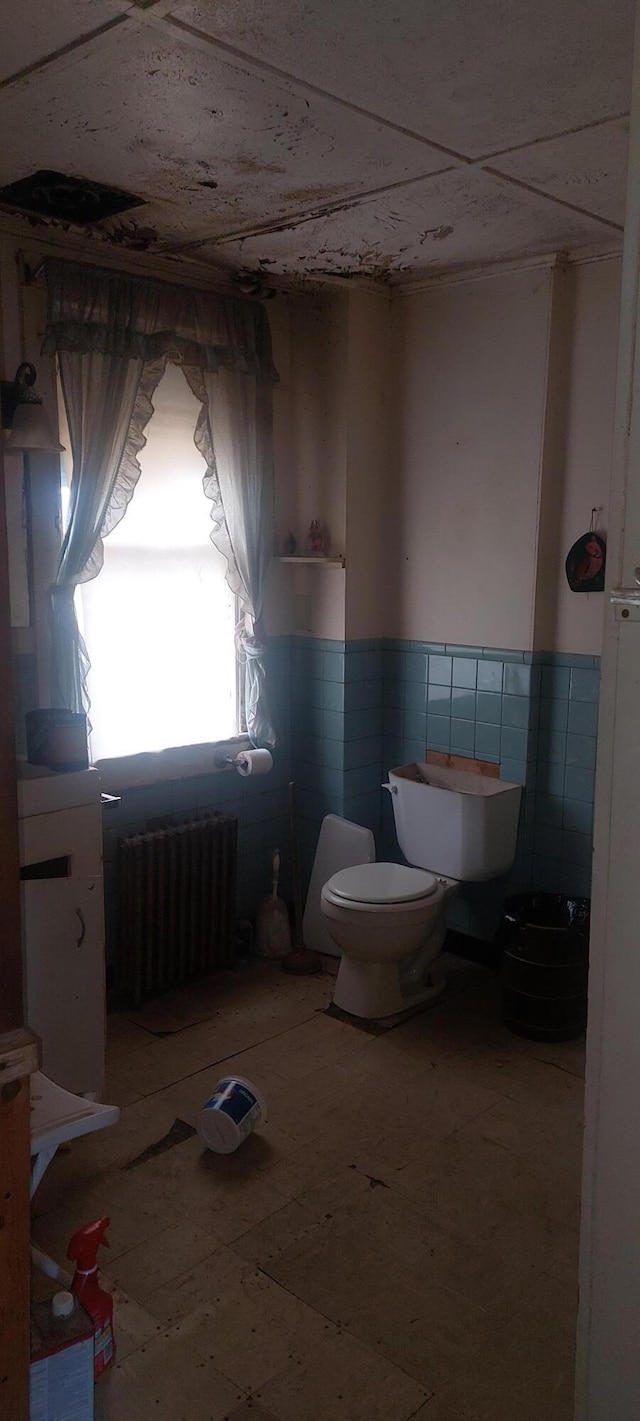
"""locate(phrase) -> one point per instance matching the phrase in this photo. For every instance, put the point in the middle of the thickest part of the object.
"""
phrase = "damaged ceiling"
(384, 137)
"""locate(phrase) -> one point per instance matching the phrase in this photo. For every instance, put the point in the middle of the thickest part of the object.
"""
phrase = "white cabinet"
(63, 929)
(65, 976)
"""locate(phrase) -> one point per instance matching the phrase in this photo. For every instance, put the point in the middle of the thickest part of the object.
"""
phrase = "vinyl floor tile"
(168, 1254)
(136, 1213)
(200, 1290)
(254, 1330)
(250, 1410)
(398, 1240)
(342, 1380)
(473, 1185)
(509, 1377)
(135, 1326)
(165, 1379)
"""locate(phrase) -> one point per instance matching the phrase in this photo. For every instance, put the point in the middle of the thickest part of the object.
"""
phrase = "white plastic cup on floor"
(235, 1107)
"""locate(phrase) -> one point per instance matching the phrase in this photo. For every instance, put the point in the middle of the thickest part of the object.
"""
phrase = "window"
(159, 619)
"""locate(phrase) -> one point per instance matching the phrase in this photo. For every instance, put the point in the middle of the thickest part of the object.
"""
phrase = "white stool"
(57, 1116)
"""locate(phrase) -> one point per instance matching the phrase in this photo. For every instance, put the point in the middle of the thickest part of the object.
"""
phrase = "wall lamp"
(24, 415)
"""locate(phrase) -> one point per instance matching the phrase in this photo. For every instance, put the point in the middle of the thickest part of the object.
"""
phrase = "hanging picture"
(585, 563)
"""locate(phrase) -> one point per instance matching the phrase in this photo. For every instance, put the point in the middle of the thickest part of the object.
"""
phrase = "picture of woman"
(586, 563)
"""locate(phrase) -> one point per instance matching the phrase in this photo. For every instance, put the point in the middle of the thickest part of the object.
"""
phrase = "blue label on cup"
(235, 1100)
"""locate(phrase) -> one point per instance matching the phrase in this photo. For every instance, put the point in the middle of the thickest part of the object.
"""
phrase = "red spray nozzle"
(83, 1248)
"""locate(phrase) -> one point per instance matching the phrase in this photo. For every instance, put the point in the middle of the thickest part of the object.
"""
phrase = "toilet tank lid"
(382, 883)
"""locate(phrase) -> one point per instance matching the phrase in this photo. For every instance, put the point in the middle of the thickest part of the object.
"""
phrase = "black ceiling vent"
(54, 195)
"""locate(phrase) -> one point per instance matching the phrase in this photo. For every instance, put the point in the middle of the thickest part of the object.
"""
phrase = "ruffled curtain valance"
(113, 335)
(106, 312)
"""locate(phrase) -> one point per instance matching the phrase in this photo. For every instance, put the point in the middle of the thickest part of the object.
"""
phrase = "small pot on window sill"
(57, 738)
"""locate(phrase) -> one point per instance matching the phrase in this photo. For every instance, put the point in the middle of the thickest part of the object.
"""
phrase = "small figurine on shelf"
(318, 540)
(289, 545)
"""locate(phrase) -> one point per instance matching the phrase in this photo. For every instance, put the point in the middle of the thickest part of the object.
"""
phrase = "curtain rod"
(31, 268)
(245, 285)
(32, 274)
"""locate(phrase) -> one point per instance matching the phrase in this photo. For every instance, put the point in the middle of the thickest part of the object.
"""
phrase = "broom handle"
(295, 859)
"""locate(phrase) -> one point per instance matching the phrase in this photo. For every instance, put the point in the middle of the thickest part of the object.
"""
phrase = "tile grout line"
(209, 1065)
(566, 1070)
(342, 1329)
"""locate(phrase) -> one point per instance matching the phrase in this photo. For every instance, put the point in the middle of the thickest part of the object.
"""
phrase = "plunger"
(301, 960)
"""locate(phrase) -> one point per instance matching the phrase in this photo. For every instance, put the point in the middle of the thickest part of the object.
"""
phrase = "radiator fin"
(177, 903)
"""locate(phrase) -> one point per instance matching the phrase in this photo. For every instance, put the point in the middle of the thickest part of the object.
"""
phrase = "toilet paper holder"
(222, 761)
(245, 761)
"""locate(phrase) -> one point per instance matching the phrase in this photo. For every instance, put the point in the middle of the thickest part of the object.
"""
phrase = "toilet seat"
(388, 922)
(380, 885)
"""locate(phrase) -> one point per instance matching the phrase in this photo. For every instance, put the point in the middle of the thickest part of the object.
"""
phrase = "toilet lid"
(382, 883)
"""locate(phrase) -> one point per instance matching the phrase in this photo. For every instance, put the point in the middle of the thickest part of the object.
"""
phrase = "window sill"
(181, 762)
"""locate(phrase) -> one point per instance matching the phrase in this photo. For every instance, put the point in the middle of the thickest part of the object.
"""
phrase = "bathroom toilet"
(387, 919)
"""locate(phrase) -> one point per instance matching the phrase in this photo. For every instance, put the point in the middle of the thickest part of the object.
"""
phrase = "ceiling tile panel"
(459, 218)
(588, 169)
(31, 34)
(476, 77)
(212, 145)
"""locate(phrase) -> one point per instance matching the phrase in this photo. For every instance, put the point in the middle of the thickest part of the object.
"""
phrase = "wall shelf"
(312, 562)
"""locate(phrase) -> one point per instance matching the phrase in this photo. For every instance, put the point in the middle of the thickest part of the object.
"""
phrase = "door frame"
(18, 1051)
(608, 1354)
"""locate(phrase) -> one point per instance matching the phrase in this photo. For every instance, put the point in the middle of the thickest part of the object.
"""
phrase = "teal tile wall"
(535, 715)
(261, 806)
(565, 774)
(336, 727)
(348, 712)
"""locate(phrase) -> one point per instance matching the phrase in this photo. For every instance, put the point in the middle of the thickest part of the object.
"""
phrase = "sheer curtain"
(100, 394)
(234, 435)
(113, 335)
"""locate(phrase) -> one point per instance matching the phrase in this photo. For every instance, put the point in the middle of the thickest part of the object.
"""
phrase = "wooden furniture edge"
(19, 1055)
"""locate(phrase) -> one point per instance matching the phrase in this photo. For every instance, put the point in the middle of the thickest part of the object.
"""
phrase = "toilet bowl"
(388, 919)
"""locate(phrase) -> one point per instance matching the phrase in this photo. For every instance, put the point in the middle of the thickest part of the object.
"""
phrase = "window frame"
(153, 766)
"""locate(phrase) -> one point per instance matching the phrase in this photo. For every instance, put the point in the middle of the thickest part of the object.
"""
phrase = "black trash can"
(545, 965)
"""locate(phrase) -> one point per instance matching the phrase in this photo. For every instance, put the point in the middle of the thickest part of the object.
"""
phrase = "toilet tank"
(455, 823)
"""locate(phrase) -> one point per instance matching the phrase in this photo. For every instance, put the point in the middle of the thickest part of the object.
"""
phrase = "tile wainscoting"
(336, 734)
(261, 806)
(360, 707)
(346, 712)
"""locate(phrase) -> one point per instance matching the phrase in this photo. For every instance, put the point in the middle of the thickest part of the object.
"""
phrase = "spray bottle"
(83, 1250)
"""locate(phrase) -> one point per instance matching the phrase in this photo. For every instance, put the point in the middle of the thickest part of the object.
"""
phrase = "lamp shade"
(31, 429)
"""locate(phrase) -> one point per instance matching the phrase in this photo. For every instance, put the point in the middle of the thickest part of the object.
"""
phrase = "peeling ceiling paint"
(473, 76)
(336, 136)
(458, 218)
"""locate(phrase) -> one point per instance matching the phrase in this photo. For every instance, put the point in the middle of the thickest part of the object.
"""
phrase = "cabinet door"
(65, 990)
(75, 832)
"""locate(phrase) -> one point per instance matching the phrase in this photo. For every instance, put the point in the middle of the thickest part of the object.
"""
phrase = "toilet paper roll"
(254, 762)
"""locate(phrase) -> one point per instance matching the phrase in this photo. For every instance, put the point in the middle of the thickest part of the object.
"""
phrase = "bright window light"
(159, 619)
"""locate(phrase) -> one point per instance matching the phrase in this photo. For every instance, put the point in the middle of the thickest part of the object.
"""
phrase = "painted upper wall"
(371, 468)
(311, 347)
(580, 466)
(469, 365)
(333, 459)
(504, 390)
